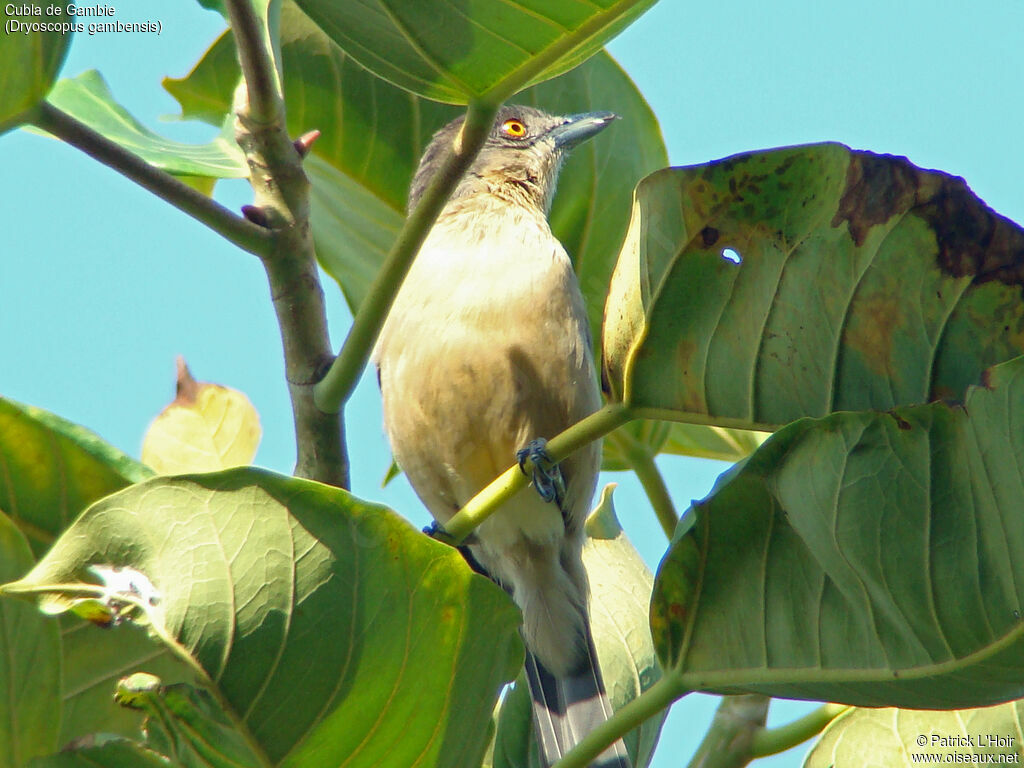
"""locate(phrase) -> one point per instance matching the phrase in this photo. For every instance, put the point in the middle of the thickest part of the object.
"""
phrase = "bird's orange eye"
(513, 128)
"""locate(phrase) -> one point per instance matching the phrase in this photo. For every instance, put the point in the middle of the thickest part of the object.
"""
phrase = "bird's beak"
(579, 128)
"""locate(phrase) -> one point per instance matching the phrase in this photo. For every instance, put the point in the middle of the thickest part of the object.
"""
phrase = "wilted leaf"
(864, 558)
(117, 753)
(51, 469)
(93, 663)
(205, 428)
(899, 738)
(487, 50)
(87, 99)
(185, 724)
(620, 592)
(30, 59)
(331, 628)
(29, 664)
(373, 134)
(863, 282)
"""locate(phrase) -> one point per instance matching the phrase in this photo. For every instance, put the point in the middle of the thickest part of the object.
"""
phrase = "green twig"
(646, 705)
(641, 459)
(771, 741)
(512, 480)
(244, 234)
(337, 386)
(727, 744)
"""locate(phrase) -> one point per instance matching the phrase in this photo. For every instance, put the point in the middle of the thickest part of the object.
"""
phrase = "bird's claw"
(545, 474)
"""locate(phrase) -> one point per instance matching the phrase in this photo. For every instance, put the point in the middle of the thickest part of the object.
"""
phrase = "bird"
(484, 355)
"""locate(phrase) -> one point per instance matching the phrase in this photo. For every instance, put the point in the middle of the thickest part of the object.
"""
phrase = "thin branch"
(253, 40)
(771, 741)
(649, 703)
(235, 229)
(512, 480)
(641, 459)
(340, 381)
(727, 744)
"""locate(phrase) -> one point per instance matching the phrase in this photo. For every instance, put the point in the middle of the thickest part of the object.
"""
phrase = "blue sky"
(102, 284)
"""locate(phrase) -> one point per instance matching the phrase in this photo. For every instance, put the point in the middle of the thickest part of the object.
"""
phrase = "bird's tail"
(565, 709)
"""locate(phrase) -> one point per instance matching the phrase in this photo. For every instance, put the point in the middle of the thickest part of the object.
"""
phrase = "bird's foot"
(546, 476)
(437, 532)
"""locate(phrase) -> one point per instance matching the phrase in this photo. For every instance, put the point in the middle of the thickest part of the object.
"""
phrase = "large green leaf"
(475, 49)
(30, 676)
(900, 738)
(332, 629)
(620, 592)
(864, 282)
(30, 58)
(88, 99)
(653, 437)
(865, 558)
(51, 469)
(373, 134)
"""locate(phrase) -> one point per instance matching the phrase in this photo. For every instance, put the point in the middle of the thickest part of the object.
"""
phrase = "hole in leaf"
(730, 255)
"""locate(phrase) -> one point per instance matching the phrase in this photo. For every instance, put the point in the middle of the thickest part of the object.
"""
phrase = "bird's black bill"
(579, 128)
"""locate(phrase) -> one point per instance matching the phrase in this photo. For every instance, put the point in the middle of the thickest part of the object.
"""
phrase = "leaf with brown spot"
(864, 282)
(874, 559)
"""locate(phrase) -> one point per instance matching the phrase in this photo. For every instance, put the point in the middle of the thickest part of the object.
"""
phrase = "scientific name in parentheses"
(71, 10)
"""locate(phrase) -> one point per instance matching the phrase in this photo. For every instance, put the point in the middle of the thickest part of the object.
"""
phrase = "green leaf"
(332, 629)
(865, 282)
(117, 753)
(30, 675)
(620, 592)
(30, 58)
(899, 738)
(874, 559)
(87, 99)
(373, 134)
(51, 469)
(484, 50)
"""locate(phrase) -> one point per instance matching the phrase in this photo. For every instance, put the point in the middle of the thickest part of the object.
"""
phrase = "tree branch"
(233, 228)
(646, 705)
(340, 381)
(281, 198)
(727, 744)
(771, 741)
(254, 41)
(512, 480)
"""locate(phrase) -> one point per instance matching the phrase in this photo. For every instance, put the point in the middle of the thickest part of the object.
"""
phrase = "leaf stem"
(235, 229)
(727, 744)
(512, 480)
(337, 386)
(649, 703)
(771, 741)
(641, 459)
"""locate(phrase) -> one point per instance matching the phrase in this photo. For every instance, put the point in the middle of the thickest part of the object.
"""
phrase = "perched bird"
(485, 353)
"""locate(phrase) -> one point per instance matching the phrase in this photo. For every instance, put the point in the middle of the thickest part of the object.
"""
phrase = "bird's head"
(520, 159)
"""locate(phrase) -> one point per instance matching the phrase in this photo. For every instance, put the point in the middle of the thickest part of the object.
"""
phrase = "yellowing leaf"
(207, 427)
